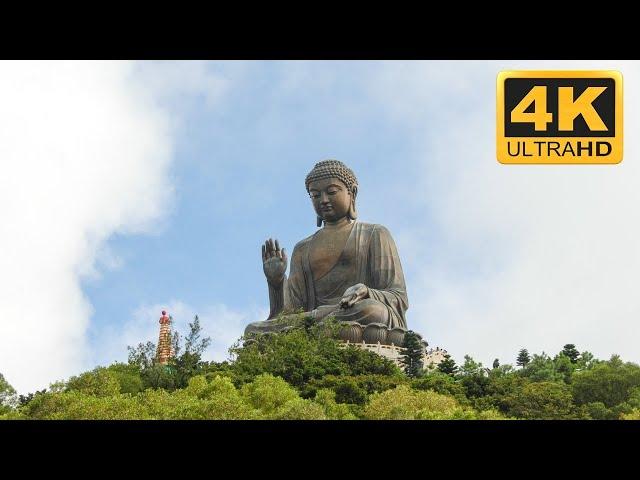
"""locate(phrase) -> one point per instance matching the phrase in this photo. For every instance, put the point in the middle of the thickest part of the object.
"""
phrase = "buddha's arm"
(288, 296)
(276, 298)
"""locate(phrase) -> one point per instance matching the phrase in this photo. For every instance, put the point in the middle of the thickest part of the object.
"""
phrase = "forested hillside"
(306, 373)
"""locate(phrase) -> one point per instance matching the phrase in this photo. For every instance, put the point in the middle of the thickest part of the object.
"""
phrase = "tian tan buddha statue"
(347, 269)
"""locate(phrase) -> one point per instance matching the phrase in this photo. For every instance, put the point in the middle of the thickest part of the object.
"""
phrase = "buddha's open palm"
(274, 262)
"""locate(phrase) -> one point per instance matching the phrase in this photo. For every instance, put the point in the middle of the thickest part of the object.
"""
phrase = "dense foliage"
(7, 396)
(305, 373)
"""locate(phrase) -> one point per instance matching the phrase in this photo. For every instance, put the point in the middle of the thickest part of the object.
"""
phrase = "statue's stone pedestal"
(374, 333)
(380, 339)
(431, 358)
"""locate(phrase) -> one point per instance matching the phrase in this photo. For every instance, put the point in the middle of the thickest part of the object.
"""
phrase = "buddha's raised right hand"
(274, 262)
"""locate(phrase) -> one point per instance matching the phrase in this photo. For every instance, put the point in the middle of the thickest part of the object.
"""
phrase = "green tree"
(542, 401)
(193, 342)
(143, 356)
(612, 383)
(542, 368)
(356, 361)
(345, 388)
(564, 367)
(634, 415)
(99, 382)
(502, 383)
(128, 377)
(189, 363)
(333, 410)
(441, 383)
(473, 378)
(212, 369)
(25, 399)
(201, 399)
(502, 370)
(158, 376)
(523, 358)
(216, 398)
(412, 354)
(570, 351)
(269, 394)
(8, 399)
(634, 397)
(598, 411)
(352, 389)
(586, 361)
(448, 366)
(301, 409)
(300, 355)
(471, 367)
(404, 403)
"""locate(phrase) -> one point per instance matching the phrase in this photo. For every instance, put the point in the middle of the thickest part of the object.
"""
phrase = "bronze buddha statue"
(347, 269)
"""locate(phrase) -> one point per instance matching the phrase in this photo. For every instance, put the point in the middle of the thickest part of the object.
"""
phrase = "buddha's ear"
(353, 214)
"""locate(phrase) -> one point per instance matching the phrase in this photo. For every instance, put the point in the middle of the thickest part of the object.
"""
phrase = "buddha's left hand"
(353, 295)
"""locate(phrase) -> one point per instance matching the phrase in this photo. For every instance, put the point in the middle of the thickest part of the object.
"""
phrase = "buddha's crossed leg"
(364, 312)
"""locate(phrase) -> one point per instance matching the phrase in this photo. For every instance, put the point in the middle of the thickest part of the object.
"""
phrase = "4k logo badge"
(559, 117)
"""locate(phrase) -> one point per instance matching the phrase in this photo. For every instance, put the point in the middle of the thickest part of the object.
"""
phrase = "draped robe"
(370, 257)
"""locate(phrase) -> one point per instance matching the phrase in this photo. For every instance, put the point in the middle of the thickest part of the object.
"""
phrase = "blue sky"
(157, 182)
(239, 178)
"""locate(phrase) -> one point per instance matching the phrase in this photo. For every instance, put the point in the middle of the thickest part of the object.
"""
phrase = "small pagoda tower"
(165, 350)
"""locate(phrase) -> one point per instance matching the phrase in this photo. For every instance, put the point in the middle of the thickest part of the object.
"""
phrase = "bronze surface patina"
(347, 269)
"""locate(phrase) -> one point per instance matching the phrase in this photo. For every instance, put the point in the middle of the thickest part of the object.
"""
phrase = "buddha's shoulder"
(373, 228)
(302, 244)
(363, 227)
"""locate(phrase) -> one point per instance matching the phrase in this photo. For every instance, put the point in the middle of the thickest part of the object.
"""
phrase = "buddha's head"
(332, 187)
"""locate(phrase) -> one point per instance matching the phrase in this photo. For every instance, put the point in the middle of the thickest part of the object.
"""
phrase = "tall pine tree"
(523, 358)
(412, 354)
(569, 350)
(448, 366)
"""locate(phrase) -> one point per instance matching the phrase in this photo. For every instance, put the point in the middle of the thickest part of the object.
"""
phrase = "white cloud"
(526, 256)
(181, 85)
(533, 256)
(85, 151)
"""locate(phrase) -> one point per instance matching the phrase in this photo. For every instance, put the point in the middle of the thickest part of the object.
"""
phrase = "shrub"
(268, 394)
(542, 400)
(301, 355)
(99, 382)
(404, 403)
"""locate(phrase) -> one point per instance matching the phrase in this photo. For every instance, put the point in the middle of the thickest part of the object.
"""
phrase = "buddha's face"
(331, 198)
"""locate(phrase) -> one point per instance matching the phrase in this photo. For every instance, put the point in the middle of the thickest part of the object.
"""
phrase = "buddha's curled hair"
(329, 169)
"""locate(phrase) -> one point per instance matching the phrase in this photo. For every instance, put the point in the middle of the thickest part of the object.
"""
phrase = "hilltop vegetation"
(306, 374)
